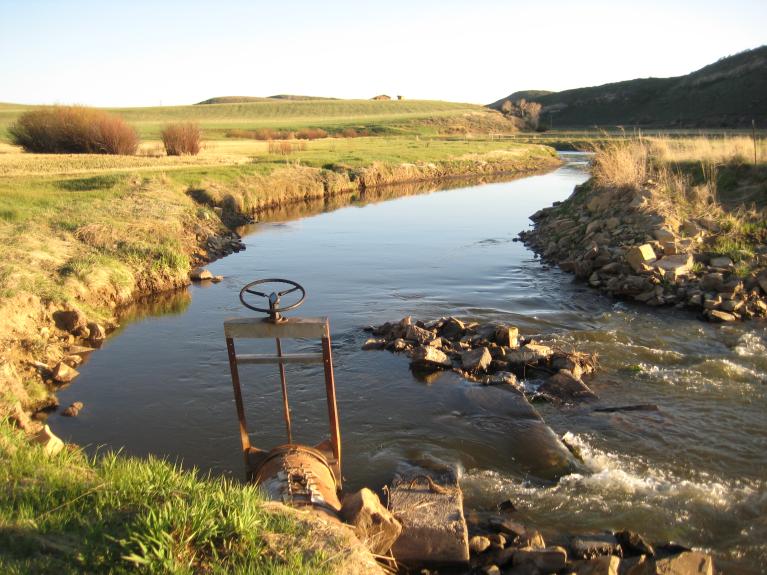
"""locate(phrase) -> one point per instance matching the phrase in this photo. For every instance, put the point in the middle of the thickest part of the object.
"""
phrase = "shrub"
(269, 134)
(182, 138)
(311, 134)
(73, 130)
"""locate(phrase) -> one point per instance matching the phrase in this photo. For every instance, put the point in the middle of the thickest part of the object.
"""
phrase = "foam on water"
(628, 492)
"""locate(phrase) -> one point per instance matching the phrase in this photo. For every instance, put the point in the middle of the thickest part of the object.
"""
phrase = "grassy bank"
(70, 514)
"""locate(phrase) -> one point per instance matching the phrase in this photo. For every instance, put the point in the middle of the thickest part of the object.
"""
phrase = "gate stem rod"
(284, 383)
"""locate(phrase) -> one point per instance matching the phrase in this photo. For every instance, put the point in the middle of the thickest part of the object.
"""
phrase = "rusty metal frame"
(257, 328)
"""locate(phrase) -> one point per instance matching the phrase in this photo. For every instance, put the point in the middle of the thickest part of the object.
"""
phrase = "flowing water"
(695, 471)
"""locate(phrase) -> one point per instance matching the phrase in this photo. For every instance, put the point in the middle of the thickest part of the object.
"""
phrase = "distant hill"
(246, 99)
(726, 94)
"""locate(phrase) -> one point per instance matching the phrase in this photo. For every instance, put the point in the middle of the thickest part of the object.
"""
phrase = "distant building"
(400, 97)
(381, 97)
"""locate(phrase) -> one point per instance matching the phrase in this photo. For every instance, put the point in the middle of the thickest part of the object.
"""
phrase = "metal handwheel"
(274, 310)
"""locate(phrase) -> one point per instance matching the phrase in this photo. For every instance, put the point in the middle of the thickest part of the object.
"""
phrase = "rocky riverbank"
(623, 243)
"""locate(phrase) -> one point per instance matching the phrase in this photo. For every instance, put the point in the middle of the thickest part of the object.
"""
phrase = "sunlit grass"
(71, 514)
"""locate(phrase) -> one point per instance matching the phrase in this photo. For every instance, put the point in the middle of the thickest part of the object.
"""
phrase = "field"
(409, 117)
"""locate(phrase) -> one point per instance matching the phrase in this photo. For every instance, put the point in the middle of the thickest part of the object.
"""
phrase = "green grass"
(72, 514)
(392, 117)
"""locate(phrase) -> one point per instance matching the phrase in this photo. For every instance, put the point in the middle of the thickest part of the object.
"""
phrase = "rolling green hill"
(392, 117)
(726, 94)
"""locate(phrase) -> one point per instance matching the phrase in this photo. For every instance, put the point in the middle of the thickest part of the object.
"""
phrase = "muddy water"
(694, 471)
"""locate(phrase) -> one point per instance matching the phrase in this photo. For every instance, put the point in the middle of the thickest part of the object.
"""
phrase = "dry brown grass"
(716, 151)
(621, 163)
(285, 148)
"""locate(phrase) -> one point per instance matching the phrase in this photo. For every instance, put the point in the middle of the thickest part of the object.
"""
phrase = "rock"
(418, 334)
(490, 570)
(199, 274)
(547, 560)
(452, 329)
(691, 229)
(503, 378)
(507, 335)
(721, 262)
(590, 546)
(678, 265)
(565, 361)
(51, 444)
(664, 235)
(476, 359)
(732, 305)
(427, 358)
(373, 524)
(374, 343)
(429, 505)
(762, 280)
(524, 356)
(606, 565)
(633, 543)
(640, 256)
(96, 332)
(217, 279)
(478, 544)
(641, 565)
(398, 345)
(507, 526)
(685, 563)
(72, 321)
(720, 316)
(73, 410)
(62, 373)
(712, 282)
(564, 386)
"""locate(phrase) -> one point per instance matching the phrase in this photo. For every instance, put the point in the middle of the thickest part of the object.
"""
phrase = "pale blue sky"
(143, 53)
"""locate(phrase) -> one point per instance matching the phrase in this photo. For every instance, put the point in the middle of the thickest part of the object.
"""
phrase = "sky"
(149, 53)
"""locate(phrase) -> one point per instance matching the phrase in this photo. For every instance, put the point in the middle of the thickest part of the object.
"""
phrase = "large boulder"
(640, 256)
(676, 265)
(62, 373)
(605, 565)
(373, 524)
(564, 386)
(50, 442)
(507, 335)
(427, 358)
(72, 321)
(476, 359)
(590, 546)
(452, 328)
(546, 560)
(685, 563)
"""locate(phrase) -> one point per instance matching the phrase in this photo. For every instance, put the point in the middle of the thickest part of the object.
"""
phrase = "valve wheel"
(274, 310)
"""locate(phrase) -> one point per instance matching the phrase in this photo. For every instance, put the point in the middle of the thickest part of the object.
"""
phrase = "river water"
(695, 471)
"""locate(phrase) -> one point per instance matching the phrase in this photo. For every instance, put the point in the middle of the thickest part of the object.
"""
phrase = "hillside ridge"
(728, 93)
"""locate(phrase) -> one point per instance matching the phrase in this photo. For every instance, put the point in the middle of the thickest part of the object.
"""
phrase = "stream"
(694, 471)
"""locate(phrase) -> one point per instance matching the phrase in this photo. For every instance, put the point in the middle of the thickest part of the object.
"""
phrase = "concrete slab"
(429, 505)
